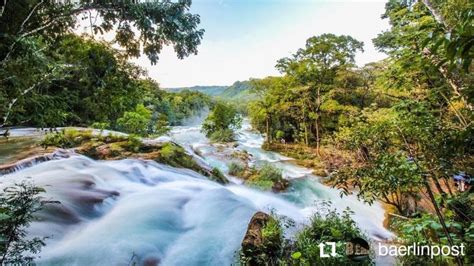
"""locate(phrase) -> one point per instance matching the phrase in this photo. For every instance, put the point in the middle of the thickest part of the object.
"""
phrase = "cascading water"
(118, 212)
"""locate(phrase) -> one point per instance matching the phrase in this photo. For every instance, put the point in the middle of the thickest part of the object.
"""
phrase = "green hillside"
(209, 90)
(239, 90)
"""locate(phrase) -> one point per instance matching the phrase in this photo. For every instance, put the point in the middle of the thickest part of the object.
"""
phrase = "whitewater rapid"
(136, 211)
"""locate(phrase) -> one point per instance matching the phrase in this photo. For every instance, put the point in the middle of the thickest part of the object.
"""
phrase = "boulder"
(253, 238)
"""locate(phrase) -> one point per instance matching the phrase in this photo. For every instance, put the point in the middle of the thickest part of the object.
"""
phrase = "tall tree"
(316, 66)
(29, 28)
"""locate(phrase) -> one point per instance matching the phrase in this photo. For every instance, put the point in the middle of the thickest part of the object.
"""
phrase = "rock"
(320, 172)
(258, 249)
(28, 162)
(280, 185)
(253, 238)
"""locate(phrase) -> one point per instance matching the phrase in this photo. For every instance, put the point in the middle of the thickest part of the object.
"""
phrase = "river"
(120, 212)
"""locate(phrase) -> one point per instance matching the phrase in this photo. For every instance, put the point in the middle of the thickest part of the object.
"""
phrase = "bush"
(265, 246)
(427, 230)
(218, 176)
(268, 172)
(326, 226)
(17, 207)
(236, 169)
(222, 135)
(268, 177)
(134, 143)
(331, 227)
(221, 122)
(136, 122)
(66, 138)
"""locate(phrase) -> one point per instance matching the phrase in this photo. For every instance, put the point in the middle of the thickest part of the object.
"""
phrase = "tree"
(221, 123)
(29, 29)
(316, 67)
(158, 23)
(137, 122)
(18, 204)
(419, 39)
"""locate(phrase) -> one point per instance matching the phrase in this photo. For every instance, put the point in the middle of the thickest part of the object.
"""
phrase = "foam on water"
(115, 212)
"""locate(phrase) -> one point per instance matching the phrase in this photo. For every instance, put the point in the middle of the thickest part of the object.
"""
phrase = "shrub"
(222, 135)
(236, 169)
(136, 122)
(134, 143)
(269, 172)
(66, 138)
(268, 177)
(218, 176)
(221, 122)
(265, 248)
(327, 225)
(17, 207)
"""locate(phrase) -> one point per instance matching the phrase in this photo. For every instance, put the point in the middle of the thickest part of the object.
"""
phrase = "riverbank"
(329, 160)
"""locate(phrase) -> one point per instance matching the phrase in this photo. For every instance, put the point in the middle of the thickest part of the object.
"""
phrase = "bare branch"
(22, 27)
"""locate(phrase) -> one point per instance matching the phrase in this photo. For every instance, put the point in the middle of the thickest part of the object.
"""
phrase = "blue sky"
(245, 38)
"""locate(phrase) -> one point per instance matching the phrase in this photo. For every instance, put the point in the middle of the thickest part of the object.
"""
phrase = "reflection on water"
(11, 148)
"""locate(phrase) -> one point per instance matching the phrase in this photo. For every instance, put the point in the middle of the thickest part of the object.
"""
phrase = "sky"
(244, 38)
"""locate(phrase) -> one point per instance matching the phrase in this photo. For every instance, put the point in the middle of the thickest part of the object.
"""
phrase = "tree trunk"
(438, 186)
(318, 114)
(446, 182)
(267, 130)
(454, 82)
(306, 141)
(317, 137)
(438, 16)
(440, 217)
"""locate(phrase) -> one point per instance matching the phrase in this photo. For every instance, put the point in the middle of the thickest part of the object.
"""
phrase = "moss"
(263, 241)
(216, 175)
(236, 169)
(268, 177)
(118, 147)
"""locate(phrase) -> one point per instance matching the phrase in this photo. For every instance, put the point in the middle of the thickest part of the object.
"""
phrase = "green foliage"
(134, 143)
(327, 225)
(18, 204)
(218, 176)
(137, 122)
(267, 177)
(176, 156)
(50, 77)
(156, 23)
(267, 251)
(221, 122)
(71, 138)
(319, 90)
(66, 138)
(236, 169)
(222, 135)
(101, 126)
(269, 172)
(427, 230)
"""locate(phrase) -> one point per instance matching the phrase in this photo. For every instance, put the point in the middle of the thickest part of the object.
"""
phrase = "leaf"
(435, 226)
(4, 216)
(296, 255)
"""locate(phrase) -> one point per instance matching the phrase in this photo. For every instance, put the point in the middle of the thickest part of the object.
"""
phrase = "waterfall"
(118, 212)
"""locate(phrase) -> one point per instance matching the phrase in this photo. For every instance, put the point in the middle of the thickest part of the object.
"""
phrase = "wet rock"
(280, 186)
(28, 162)
(253, 238)
(258, 249)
